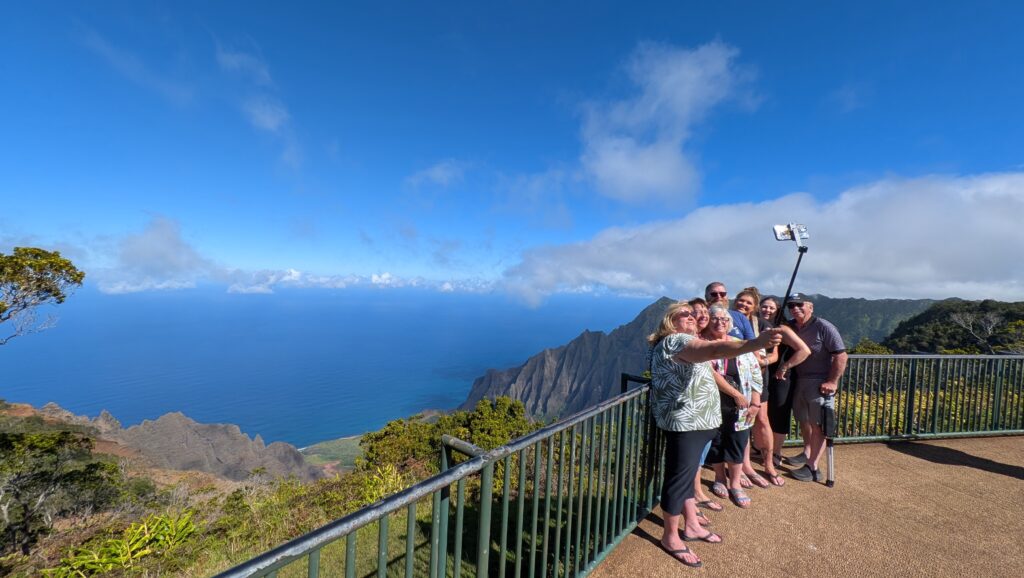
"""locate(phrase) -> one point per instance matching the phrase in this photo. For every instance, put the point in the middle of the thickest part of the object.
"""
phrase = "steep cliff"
(563, 380)
(176, 442)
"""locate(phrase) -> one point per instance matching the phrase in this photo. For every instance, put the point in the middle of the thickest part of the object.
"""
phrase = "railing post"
(442, 526)
(997, 404)
(484, 536)
(908, 418)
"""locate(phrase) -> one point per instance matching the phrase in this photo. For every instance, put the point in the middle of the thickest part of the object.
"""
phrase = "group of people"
(726, 379)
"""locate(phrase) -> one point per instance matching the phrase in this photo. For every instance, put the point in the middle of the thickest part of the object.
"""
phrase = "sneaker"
(796, 461)
(805, 474)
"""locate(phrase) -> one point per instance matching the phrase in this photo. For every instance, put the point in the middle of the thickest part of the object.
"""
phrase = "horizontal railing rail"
(884, 397)
(557, 501)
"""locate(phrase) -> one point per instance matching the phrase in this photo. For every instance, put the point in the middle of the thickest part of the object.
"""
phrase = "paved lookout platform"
(924, 508)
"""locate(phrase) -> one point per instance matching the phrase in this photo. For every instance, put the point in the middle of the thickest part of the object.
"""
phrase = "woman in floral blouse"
(685, 405)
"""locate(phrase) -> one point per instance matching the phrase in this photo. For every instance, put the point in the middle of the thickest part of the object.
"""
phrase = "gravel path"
(937, 508)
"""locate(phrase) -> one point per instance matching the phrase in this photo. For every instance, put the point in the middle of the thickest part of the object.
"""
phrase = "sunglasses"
(683, 314)
(795, 305)
(718, 294)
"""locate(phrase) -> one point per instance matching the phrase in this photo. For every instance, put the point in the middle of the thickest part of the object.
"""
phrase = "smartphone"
(785, 232)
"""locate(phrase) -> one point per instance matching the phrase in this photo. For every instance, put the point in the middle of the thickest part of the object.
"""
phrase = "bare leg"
(808, 432)
(698, 489)
(670, 538)
(735, 471)
(817, 445)
(764, 435)
(748, 468)
(720, 473)
(778, 441)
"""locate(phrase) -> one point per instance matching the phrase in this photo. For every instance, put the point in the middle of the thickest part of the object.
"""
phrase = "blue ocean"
(299, 366)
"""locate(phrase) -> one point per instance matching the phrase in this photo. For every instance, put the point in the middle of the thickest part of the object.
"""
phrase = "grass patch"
(342, 451)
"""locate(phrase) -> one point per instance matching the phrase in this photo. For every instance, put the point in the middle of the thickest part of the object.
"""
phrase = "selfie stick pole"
(801, 249)
(795, 231)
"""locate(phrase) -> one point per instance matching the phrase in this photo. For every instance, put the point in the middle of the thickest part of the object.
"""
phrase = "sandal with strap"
(678, 555)
(719, 489)
(745, 481)
(710, 538)
(776, 480)
(710, 505)
(759, 481)
(739, 497)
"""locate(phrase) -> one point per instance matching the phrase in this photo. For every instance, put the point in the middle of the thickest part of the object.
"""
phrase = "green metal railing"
(556, 502)
(553, 503)
(884, 397)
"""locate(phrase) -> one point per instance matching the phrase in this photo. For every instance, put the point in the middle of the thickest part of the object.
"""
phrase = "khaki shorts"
(808, 401)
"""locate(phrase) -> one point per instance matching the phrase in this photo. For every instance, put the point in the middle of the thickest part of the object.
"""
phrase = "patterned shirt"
(749, 371)
(684, 396)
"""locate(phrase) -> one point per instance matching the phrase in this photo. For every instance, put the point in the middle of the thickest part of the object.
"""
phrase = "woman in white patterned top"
(741, 396)
(685, 405)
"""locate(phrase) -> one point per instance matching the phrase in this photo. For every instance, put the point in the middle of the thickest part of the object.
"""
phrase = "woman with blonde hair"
(685, 405)
(748, 303)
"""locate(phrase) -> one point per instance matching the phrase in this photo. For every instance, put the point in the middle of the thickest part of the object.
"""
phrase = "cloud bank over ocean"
(935, 237)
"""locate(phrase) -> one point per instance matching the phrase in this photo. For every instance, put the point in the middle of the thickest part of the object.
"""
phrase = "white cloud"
(266, 113)
(442, 174)
(135, 69)
(237, 61)
(259, 102)
(934, 237)
(634, 148)
(850, 97)
(158, 258)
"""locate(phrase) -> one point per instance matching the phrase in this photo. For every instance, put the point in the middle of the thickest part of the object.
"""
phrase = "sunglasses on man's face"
(718, 294)
(795, 305)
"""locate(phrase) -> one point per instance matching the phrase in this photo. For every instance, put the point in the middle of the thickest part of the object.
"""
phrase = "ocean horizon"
(300, 366)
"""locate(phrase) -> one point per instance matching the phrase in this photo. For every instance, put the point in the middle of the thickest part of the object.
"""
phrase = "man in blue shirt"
(715, 293)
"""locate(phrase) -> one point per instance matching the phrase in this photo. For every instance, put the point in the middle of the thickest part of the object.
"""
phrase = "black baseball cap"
(797, 298)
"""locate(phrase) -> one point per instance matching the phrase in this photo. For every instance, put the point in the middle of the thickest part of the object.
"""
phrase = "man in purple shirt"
(715, 293)
(816, 381)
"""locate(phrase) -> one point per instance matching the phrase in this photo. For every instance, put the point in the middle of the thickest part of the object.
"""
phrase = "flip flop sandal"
(759, 481)
(745, 482)
(776, 480)
(711, 505)
(710, 538)
(678, 555)
(702, 519)
(739, 497)
(719, 489)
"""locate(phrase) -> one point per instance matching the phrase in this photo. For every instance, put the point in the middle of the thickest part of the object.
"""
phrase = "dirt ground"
(937, 508)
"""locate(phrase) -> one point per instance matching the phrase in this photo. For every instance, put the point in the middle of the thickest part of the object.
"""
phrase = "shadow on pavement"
(949, 456)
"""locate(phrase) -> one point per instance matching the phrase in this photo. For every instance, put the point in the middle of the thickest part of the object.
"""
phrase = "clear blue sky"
(636, 148)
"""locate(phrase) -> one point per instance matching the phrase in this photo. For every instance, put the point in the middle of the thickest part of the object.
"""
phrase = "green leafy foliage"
(31, 277)
(47, 475)
(935, 331)
(874, 319)
(868, 347)
(413, 445)
(156, 535)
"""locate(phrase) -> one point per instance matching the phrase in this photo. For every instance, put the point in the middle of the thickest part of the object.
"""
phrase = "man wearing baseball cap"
(816, 381)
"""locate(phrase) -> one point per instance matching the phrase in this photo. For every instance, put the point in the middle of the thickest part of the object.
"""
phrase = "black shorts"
(780, 404)
(730, 445)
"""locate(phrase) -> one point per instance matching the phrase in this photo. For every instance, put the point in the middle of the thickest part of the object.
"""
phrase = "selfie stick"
(797, 233)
